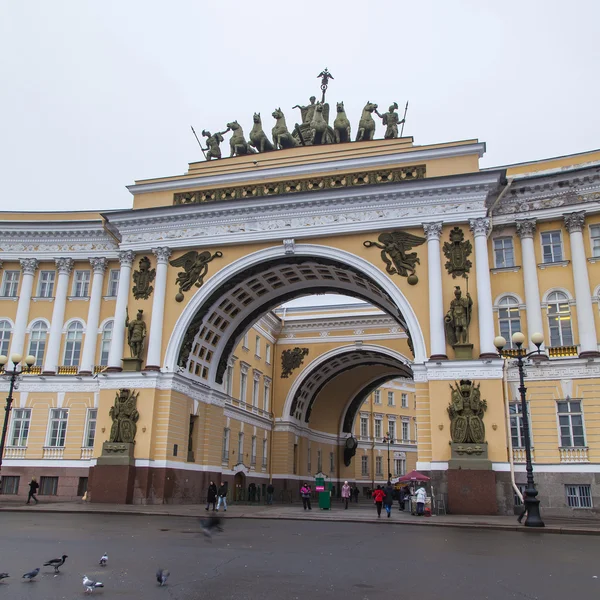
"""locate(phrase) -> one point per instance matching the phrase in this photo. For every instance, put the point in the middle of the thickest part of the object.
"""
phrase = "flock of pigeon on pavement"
(209, 526)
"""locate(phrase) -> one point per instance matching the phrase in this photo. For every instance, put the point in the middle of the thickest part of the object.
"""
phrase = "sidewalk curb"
(422, 523)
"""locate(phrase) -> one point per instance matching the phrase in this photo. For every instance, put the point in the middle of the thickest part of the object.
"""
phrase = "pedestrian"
(523, 514)
(378, 496)
(404, 496)
(305, 492)
(356, 493)
(389, 498)
(270, 492)
(33, 488)
(346, 491)
(222, 494)
(211, 495)
(421, 497)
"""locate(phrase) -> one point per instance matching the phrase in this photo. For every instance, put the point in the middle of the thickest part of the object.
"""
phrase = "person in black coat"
(33, 488)
(389, 498)
(211, 496)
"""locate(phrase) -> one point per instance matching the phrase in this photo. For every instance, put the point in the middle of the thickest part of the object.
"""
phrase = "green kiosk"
(323, 488)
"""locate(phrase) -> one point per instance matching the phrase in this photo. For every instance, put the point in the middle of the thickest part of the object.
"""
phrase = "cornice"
(453, 370)
(318, 324)
(570, 368)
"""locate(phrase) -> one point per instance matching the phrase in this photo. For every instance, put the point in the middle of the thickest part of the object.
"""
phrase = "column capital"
(575, 221)
(29, 265)
(64, 265)
(433, 231)
(480, 226)
(526, 228)
(99, 264)
(162, 254)
(126, 258)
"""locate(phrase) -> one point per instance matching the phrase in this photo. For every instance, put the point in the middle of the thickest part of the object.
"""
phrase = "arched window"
(37, 341)
(5, 330)
(509, 318)
(73, 344)
(559, 320)
(107, 333)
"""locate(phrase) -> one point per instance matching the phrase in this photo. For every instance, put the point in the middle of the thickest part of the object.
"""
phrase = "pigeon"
(56, 562)
(104, 560)
(210, 524)
(90, 584)
(162, 575)
(31, 575)
(4, 576)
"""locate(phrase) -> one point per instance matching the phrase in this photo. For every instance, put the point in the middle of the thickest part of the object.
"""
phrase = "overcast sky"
(98, 94)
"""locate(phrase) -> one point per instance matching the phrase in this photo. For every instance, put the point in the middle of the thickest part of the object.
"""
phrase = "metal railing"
(67, 370)
(562, 351)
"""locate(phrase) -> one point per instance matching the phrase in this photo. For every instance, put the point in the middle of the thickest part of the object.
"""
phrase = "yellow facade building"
(236, 385)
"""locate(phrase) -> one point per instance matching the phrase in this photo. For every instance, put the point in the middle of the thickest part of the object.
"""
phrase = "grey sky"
(97, 94)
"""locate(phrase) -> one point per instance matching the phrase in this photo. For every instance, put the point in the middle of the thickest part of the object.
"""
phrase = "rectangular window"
(243, 386)
(264, 453)
(37, 342)
(364, 427)
(570, 421)
(253, 452)
(225, 455)
(58, 427)
(268, 354)
(255, 388)
(364, 466)
(595, 239)
(392, 430)
(551, 247)
(48, 486)
(10, 283)
(405, 432)
(379, 466)
(257, 346)
(90, 428)
(378, 428)
(10, 485)
(390, 398)
(240, 446)
(516, 425)
(399, 466)
(319, 461)
(113, 283)
(504, 254)
(579, 496)
(46, 284)
(105, 344)
(21, 418)
(331, 462)
(81, 284)
(404, 398)
(267, 399)
(377, 397)
(229, 381)
(245, 342)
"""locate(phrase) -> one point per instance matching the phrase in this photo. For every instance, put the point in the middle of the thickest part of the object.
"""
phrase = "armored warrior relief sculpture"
(457, 251)
(142, 278)
(136, 334)
(394, 253)
(466, 411)
(213, 143)
(291, 360)
(195, 268)
(124, 417)
(458, 318)
(391, 120)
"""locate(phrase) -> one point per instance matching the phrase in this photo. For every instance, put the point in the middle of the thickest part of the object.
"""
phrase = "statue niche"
(456, 324)
(124, 416)
(466, 411)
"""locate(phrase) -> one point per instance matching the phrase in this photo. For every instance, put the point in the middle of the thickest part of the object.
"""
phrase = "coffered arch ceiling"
(233, 307)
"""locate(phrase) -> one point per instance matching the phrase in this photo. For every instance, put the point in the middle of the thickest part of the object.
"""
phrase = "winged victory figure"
(195, 267)
(394, 252)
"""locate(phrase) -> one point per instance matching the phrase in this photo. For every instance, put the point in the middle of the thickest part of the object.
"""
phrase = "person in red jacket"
(378, 496)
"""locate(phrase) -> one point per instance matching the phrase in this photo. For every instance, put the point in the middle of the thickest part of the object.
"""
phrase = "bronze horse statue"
(341, 125)
(238, 144)
(318, 126)
(282, 138)
(258, 138)
(366, 125)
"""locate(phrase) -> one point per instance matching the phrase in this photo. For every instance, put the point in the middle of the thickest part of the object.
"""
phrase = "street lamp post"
(16, 359)
(387, 439)
(531, 502)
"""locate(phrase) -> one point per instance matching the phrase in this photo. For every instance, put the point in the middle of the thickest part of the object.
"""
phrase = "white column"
(153, 360)
(64, 266)
(437, 338)
(586, 323)
(115, 354)
(480, 229)
(28, 268)
(91, 335)
(533, 308)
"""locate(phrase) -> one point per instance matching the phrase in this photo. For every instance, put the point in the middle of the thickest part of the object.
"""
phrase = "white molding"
(243, 416)
(68, 323)
(491, 368)
(48, 463)
(340, 338)
(34, 321)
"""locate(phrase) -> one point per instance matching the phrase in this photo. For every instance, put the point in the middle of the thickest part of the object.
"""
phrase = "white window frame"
(501, 252)
(391, 400)
(255, 392)
(568, 416)
(112, 288)
(105, 342)
(364, 427)
(91, 418)
(579, 495)
(73, 346)
(377, 397)
(559, 317)
(21, 417)
(37, 341)
(245, 341)
(404, 399)
(266, 396)
(241, 446)
(268, 354)
(595, 227)
(265, 450)
(552, 245)
(399, 466)
(46, 282)
(405, 431)
(516, 425)
(253, 452)
(225, 449)
(364, 465)
(243, 386)
(506, 318)
(392, 430)
(81, 283)
(5, 335)
(257, 346)
(60, 418)
(378, 427)
(10, 283)
(379, 466)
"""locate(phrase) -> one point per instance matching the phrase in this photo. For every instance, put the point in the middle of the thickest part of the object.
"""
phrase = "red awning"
(414, 476)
